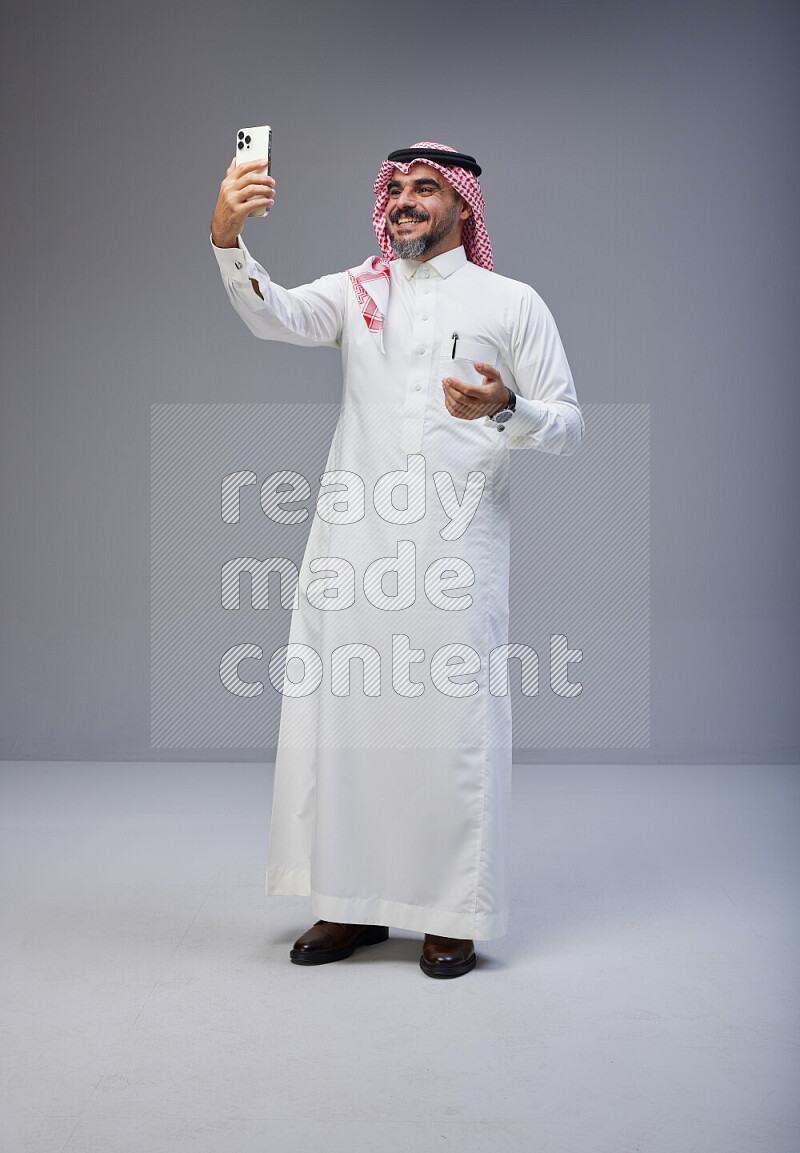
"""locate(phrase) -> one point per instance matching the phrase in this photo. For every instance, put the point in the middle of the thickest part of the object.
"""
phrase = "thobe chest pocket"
(461, 365)
(470, 350)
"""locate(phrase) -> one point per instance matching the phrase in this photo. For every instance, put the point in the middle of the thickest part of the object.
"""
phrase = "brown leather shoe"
(447, 956)
(332, 941)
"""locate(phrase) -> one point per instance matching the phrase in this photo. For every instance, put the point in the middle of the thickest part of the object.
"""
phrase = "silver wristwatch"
(500, 418)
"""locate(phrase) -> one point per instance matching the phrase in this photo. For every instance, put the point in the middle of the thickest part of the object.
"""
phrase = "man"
(391, 804)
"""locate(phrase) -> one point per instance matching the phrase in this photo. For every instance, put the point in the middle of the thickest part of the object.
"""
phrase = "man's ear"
(464, 209)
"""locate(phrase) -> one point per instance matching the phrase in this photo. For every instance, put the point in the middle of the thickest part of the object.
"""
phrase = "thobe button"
(421, 350)
(425, 316)
(418, 387)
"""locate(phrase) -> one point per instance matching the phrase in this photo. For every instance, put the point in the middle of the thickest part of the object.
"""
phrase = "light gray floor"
(644, 999)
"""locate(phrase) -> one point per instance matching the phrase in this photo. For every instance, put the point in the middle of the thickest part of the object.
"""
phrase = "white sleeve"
(547, 415)
(310, 314)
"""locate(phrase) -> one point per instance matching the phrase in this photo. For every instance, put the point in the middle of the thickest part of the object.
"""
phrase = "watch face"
(503, 416)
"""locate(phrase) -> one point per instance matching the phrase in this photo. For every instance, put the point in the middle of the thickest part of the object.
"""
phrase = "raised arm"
(243, 191)
(312, 314)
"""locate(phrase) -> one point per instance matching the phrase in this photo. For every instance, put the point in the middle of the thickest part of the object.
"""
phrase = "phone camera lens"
(247, 139)
(240, 145)
(241, 135)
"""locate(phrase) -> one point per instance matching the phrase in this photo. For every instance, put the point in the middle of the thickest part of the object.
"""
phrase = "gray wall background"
(640, 170)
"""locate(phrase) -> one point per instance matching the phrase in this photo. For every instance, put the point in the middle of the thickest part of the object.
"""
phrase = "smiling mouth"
(407, 222)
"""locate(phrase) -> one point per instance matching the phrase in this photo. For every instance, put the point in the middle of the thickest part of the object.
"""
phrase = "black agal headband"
(440, 155)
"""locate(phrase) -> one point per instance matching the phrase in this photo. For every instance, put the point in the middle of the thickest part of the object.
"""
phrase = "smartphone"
(252, 143)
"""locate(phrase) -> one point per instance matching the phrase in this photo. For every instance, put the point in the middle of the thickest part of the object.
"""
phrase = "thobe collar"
(444, 265)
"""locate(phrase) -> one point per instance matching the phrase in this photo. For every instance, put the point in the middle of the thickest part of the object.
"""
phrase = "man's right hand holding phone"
(243, 190)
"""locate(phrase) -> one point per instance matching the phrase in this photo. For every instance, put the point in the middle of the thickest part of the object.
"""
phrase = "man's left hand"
(470, 401)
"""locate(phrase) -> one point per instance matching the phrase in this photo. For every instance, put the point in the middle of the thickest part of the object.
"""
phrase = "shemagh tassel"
(371, 284)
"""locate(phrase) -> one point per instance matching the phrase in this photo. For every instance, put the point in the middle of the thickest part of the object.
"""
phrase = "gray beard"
(411, 249)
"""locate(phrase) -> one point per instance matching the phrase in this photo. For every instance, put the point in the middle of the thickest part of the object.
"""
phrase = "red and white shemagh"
(371, 279)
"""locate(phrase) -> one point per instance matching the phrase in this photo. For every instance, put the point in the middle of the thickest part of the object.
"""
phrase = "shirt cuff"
(529, 416)
(232, 261)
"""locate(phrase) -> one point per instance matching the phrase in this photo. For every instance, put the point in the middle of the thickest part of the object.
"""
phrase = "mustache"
(398, 212)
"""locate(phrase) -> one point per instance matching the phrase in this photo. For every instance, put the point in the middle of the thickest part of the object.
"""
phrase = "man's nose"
(406, 198)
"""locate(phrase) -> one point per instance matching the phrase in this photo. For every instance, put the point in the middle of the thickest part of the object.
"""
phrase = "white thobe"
(391, 801)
